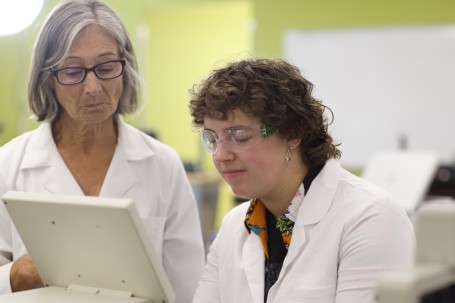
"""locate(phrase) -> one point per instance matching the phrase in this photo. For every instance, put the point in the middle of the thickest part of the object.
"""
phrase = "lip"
(93, 105)
(230, 174)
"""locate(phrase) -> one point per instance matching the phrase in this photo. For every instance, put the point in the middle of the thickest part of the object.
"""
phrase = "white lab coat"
(142, 168)
(347, 232)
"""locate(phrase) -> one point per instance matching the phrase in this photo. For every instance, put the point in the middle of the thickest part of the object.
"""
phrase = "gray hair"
(57, 34)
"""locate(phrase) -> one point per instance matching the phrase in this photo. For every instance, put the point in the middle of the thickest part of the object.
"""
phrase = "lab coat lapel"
(253, 260)
(44, 167)
(131, 149)
(315, 206)
(58, 179)
(120, 177)
(51, 174)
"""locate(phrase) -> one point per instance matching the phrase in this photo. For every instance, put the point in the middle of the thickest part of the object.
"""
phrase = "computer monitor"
(95, 245)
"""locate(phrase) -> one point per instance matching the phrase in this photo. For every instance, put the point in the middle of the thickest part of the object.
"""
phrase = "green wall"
(184, 45)
(274, 17)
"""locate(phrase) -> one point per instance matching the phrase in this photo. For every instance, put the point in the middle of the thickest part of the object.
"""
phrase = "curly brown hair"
(273, 91)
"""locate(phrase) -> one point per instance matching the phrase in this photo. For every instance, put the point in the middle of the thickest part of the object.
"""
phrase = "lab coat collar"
(320, 195)
(133, 139)
(49, 169)
(41, 152)
(39, 149)
(120, 176)
(315, 205)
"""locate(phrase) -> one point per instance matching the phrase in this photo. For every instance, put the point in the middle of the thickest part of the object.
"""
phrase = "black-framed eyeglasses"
(104, 71)
(236, 139)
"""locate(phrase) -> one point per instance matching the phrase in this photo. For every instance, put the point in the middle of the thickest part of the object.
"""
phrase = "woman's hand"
(23, 275)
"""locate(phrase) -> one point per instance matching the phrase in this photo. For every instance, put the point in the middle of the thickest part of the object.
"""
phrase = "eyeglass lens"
(236, 139)
(105, 71)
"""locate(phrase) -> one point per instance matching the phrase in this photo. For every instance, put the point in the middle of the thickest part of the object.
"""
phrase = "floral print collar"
(255, 219)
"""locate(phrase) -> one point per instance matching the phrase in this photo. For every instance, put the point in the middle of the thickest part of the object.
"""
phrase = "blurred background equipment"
(405, 174)
(432, 279)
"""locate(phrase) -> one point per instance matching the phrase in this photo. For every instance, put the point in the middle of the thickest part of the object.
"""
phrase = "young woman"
(312, 231)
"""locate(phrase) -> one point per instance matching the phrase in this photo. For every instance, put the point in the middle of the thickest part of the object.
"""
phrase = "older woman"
(83, 78)
(312, 231)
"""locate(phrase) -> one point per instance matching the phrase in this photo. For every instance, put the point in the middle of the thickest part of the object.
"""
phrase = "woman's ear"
(294, 143)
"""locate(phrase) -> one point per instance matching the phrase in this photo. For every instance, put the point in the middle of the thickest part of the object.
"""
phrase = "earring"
(288, 154)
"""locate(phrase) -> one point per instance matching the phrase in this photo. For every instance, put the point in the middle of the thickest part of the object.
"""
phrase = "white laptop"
(87, 249)
(405, 174)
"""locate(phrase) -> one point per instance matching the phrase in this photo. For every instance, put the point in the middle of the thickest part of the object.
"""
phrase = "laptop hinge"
(100, 291)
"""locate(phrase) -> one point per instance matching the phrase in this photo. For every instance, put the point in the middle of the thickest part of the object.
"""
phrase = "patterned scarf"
(255, 219)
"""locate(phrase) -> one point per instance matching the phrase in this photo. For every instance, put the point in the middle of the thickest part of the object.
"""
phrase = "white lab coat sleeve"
(6, 250)
(6, 255)
(5, 284)
(183, 249)
(208, 290)
(378, 239)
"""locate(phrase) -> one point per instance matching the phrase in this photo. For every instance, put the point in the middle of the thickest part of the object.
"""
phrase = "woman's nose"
(222, 153)
(92, 84)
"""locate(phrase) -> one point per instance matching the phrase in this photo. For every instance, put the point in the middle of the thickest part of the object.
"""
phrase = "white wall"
(383, 85)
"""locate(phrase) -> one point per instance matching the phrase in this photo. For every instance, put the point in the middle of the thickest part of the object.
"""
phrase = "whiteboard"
(387, 87)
